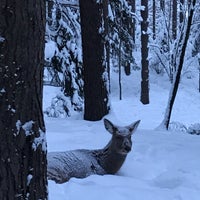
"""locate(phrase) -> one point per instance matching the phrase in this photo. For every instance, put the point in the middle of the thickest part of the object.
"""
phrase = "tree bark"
(96, 83)
(174, 20)
(106, 35)
(144, 51)
(22, 129)
(154, 19)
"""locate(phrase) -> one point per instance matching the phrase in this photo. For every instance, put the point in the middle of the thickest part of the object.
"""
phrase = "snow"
(2, 39)
(27, 127)
(50, 49)
(41, 140)
(3, 90)
(161, 166)
(18, 126)
(29, 178)
(110, 13)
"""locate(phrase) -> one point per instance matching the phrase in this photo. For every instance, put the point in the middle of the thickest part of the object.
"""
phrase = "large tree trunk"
(144, 51)
(94, 65)
(22, 130)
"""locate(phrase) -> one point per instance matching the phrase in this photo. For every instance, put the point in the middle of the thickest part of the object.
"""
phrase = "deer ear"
(109, 126)
(132, 127)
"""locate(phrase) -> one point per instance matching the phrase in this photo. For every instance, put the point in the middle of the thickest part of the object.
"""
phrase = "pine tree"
(22, 129)
(63, 28)
(182, 47)
(174, 20)
(144, 50)
(96, 83)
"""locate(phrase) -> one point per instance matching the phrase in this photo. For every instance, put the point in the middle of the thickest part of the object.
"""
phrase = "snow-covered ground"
(161, 166)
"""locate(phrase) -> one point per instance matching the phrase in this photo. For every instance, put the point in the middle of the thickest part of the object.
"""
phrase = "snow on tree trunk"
(22, 130)
(180, 60)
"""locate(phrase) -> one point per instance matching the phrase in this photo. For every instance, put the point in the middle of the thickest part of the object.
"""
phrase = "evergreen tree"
(22, 129)
(144, 51)
(63, 28)
(96, 83)
(174, 20)
(182, 48)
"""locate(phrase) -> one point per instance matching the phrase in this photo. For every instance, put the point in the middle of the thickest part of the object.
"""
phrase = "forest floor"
(163, 165)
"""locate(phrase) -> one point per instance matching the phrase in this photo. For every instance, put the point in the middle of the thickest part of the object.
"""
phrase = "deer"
(81, 163)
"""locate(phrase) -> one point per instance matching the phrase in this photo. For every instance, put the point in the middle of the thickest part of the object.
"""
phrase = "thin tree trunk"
(154, 19)
(175, 85)
(22, 130)
(144, 51)
(174, 19)
(162, 5)
(120, 70)
(107, 45)
(181, 15)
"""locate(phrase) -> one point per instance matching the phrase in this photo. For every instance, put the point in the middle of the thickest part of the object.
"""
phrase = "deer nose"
(127, 146)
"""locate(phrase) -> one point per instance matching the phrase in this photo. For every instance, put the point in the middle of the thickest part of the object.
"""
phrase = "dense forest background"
(154, 29)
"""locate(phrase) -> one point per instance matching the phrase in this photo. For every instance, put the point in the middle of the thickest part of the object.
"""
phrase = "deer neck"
(109, 159)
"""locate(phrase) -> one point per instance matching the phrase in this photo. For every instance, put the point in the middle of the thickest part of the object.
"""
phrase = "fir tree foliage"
(63, 28)
(166, 48)
(120, 22)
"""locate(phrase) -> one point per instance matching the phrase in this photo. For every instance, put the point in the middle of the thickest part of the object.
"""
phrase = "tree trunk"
(174, 20)
(107, 44)
(181, 15)
(154, 19)
(96, 83)
(132, 3)
(22, 130)
(162, 5)
(120, 70)
(175, 85)
(144, 51)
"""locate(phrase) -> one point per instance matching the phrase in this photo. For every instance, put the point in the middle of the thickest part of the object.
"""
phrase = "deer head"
(121, 136)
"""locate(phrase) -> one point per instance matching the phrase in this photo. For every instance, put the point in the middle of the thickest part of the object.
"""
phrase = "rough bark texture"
(94, 65)
(144, 51)
(22, 140)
